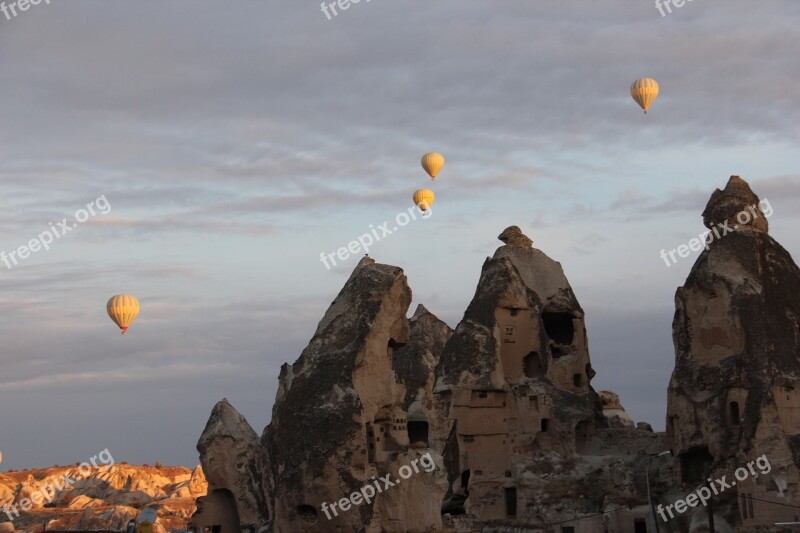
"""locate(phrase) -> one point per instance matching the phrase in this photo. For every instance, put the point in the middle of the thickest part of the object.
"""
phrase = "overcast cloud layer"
(237, 141)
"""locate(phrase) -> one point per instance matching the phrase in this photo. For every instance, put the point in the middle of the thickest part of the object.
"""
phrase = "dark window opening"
(533, 365)
(482, 395)
(639, 525)
(307, 513)
(558, 352)
(511, 501)
(577, 380)
(733, 413)
(465, 482)
(469, 438)
(216, 528)
(418, 432)
(582, 431)
(545, 424)
(559, 327)
(567, 529)
(695, 465)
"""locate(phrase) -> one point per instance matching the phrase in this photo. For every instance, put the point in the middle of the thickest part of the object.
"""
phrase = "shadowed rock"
(339, 417)
(231, 455)
(735, 391)
(725, 205)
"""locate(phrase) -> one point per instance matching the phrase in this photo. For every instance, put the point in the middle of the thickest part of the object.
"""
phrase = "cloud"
(235, 143)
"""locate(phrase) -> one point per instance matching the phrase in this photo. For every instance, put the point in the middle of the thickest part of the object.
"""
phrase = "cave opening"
(733, 413)
(418, 432)
(559, 327)
(695, 464)
(511, 501)
(533, 365)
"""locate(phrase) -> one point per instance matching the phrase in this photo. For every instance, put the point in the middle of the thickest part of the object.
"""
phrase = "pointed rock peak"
(366, 260)
(225, 420)
(420, 312)
(513, 236)
(222, 408)
(737, 204)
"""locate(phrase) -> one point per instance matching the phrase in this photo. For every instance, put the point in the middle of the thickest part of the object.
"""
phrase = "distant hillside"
(107, 497)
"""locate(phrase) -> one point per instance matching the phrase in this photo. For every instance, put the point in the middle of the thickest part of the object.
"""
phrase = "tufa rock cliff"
(342, 408)
(500, 413)
(734, 395)
(233, 458)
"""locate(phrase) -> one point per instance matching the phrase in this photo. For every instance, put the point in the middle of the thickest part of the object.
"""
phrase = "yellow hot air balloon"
(432, 162)
(424, 198)
(123, 309)
(644, 91)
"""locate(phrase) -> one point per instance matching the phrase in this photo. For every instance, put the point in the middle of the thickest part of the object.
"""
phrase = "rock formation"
(502, 414)
(734, 395)
(615, 414)
(106, 499)
(528, 431)
(342, 407)
(232, 457)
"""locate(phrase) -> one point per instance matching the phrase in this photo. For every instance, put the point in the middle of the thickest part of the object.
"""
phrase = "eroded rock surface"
(615, 414)
(734, 395)
(504, 410)
(341, 408)
(103, 498)
(232, 457)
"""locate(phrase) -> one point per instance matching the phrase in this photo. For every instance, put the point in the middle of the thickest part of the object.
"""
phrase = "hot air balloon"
(644, 91)
(123, 309)
(432, 162)
(424, 198)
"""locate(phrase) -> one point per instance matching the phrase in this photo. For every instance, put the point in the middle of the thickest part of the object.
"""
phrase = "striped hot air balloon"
(424, 198)
(432, 162)
(123, 309)
(644, 91)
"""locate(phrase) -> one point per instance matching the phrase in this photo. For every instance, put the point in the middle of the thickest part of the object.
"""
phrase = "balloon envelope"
(424, 198)
(432, 162)
(123, 309)
(644, 91)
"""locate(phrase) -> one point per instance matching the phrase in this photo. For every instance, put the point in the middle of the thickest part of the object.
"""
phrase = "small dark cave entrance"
(733, 413)
(307, 513)
(511, 501)
(418, 432)
(695, 464)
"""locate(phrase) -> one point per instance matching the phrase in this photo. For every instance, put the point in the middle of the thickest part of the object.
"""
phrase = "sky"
(234, 142)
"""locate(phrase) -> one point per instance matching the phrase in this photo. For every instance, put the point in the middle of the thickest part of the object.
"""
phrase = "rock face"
(340, 421)
(232, 457)
(415, 365)
(615, 414)
(734, 396)
(527, 430)
(499, 416)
